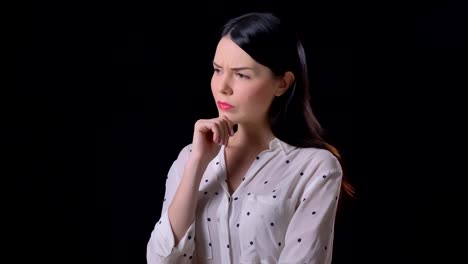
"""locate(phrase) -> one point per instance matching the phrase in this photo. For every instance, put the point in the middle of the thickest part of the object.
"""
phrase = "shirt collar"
(286, 148)
(274, 144)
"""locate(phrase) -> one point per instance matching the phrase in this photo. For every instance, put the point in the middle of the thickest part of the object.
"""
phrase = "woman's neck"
(252, 137)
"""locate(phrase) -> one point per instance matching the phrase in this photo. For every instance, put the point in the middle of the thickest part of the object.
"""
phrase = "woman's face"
(242, 88)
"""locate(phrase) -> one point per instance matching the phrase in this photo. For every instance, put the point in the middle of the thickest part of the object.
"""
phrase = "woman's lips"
(224, 105)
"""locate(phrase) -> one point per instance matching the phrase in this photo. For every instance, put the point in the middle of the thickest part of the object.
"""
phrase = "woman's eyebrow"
(236, 68)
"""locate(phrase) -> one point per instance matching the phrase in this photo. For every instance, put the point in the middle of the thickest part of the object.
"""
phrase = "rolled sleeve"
(163, 248)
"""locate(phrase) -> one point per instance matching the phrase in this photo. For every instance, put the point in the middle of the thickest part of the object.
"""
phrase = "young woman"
(267, 192)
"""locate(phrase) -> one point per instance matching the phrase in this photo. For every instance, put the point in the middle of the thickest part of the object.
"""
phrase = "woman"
(268, 192)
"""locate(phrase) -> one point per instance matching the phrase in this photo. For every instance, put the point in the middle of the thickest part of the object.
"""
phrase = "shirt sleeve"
(309, 237)
(161, 246)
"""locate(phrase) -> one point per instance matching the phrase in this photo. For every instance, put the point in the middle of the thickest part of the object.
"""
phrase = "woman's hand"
(209, 135)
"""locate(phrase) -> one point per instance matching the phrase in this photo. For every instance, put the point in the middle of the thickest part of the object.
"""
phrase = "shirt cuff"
(164, 230)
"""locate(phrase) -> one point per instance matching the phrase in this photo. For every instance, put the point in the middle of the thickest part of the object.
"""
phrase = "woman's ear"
(284, 83)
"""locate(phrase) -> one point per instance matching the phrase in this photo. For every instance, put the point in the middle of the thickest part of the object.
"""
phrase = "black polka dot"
(248, 194)
(217, 163)
(236, 198)
(243, 179)
(206, 192)
(206, 180)
(287, 161)
(251, 242)
(189, 237)
(190, 150)
(209, 244)
(164, 199)
(194, 239)
(325, 247)
(336, 197)
(303, 199)
(227, 246)
(279, 244)
(209, 219)
(324, 176)
(274, 190)
(216, 193)
(274, 196)
(159, 222)
(265, 182)
(185, 255)
(190, 257)
(302, 173)
(248, 213)
(272, 224)
(258, 158)
(237, 225)
(229, 199)
(313, 212)
(299, 240)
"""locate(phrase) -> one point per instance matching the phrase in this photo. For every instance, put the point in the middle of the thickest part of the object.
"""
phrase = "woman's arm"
(183, 206)
(172, 239)
(176, 245)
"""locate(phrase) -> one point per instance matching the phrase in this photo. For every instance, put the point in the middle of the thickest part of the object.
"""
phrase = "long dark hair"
(271, 43)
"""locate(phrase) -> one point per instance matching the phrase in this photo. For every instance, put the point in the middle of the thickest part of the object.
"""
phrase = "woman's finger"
(225, 126)
(230, 125)
(219, 133)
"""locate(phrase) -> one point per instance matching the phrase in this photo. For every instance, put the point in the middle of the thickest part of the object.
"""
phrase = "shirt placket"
(224, 212)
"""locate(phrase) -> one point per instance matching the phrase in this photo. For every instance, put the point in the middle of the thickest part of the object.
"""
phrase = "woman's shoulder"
(317, 157)
(184, 152)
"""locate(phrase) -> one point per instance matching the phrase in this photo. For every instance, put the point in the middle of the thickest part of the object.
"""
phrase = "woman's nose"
(225, 85)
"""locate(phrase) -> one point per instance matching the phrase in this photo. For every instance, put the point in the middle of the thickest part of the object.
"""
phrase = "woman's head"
(247, 86)
(271, 44)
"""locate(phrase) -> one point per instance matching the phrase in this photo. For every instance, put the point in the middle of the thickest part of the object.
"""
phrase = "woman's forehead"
(229, 54)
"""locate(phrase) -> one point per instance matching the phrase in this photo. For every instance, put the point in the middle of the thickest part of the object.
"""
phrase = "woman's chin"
(230, 116)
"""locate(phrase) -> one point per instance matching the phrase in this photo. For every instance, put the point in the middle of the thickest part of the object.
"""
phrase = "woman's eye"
(217, 70)
(242, 76)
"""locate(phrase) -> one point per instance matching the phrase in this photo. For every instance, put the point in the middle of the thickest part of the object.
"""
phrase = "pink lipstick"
(224, 105)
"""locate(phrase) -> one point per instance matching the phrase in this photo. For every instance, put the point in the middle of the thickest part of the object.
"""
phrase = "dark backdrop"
(106, 95)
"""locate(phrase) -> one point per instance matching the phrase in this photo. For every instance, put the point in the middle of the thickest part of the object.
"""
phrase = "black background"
(106, 95)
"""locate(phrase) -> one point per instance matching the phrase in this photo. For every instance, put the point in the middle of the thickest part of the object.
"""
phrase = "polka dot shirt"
(283, 211)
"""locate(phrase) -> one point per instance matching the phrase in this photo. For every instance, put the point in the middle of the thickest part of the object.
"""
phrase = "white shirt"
(282, 212)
